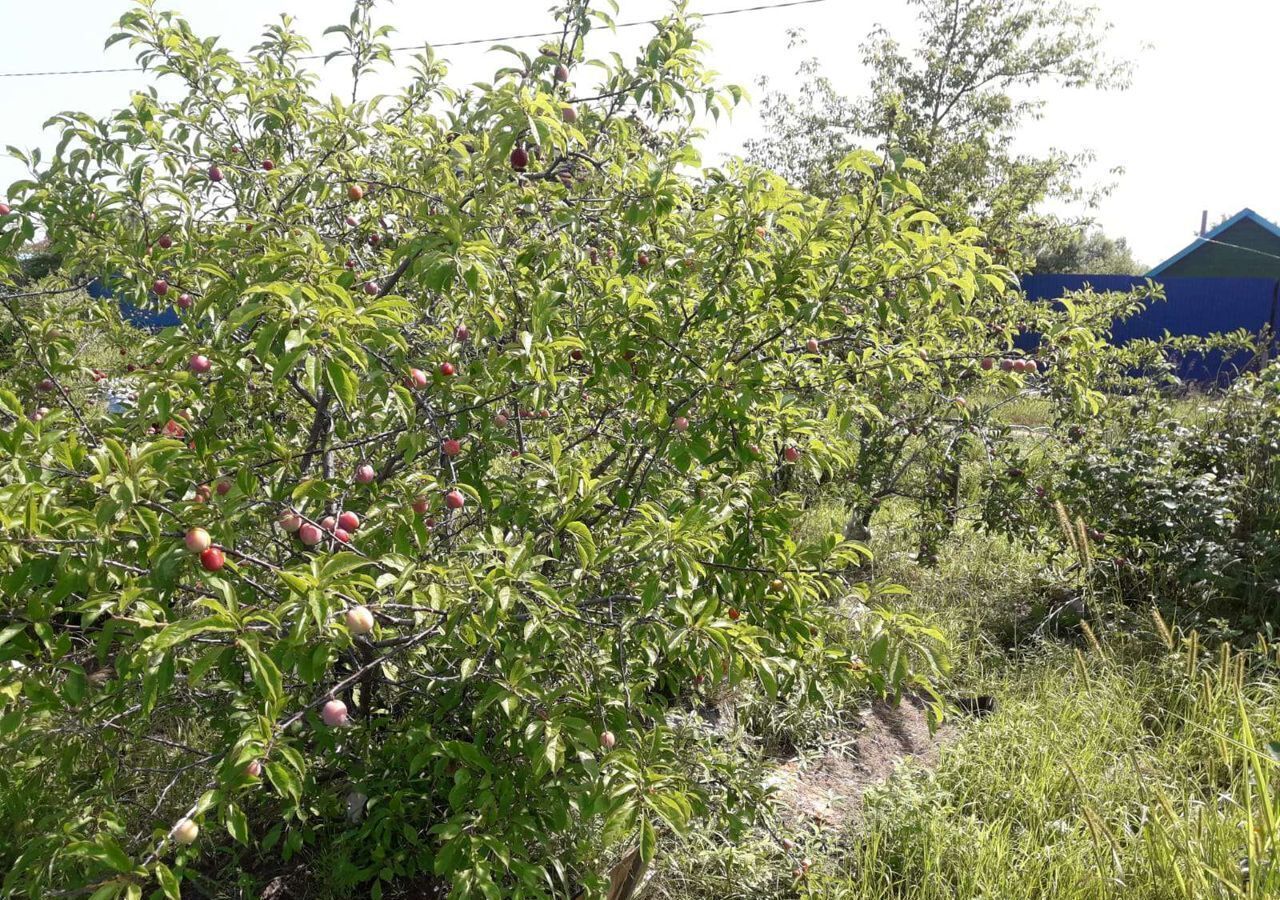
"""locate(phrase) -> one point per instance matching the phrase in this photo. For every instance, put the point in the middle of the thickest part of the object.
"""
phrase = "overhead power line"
(1236, 247)
(764, 7)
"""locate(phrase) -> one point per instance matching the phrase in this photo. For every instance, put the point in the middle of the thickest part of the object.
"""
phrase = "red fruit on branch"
(4, 209)
(359, 620)
(267, 165)
(365, 474)
(185, 831)
(461, 334)
(417, 379)
(812, 345)
(642, 260)
(185, 301)
(371, 288)
(199, 364)
(447, 369)
(45, 384)
(451, 447)
(334, 713)
(421, 505)
(197, 540)
(342, 536)
(1006, 365)
(253, 769)
(349, 521)
(519, 159)
(160, 286)
(680, 424)
(222, 488)
(328, 523)
(290, 522)
(212, 559)
(790, 453)
(562, 73)
(215, 174)
(569, 114)
(355, 193)
(309, 534)
(607, 740)
(455, 499)
(987, 363)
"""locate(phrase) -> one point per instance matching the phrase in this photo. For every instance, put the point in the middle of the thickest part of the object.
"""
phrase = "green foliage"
(1086, 252)
(1188, 507)
(607, 567)
(956, 102)
(1143, 771)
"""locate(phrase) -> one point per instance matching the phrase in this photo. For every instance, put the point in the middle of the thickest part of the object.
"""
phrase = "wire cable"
(764, 7)
(1236, 247)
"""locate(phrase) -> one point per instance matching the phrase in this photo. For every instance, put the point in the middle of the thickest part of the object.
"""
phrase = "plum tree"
(566, 571)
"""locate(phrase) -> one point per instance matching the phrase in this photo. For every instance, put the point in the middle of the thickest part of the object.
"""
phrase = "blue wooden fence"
(1192, 306)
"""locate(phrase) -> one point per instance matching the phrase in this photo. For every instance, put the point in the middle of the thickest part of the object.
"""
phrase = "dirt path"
(827, 791)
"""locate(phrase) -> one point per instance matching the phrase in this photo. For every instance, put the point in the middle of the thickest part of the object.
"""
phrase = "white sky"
(1196, 130)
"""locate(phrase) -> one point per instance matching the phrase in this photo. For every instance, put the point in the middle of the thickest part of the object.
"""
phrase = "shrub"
(1183, 507)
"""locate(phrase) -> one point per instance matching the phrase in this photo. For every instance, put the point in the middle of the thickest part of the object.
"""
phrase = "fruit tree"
(466, 466)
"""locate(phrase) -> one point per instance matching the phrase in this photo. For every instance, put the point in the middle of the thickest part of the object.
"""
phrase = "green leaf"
(11, 631)
(181, 632)
(170, 886)
(237, 824)
(585, 545)
(284, 781)
(265, 673)
(342, 381)
(648, 839)
(113, 853)
(107, 891)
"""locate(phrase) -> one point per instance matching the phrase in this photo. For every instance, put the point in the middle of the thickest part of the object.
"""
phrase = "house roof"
(1199, 242)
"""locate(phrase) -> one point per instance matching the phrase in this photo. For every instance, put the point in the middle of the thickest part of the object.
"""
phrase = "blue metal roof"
(1239, 217)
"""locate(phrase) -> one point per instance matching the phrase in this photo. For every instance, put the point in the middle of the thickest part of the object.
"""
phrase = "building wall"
(1218, 261)
(1192, 306)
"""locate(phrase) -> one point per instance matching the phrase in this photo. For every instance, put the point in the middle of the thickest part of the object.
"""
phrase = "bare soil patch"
(827, 791)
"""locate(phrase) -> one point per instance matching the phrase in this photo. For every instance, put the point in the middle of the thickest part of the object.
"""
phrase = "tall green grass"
(1135, 764)
(1117, 772)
